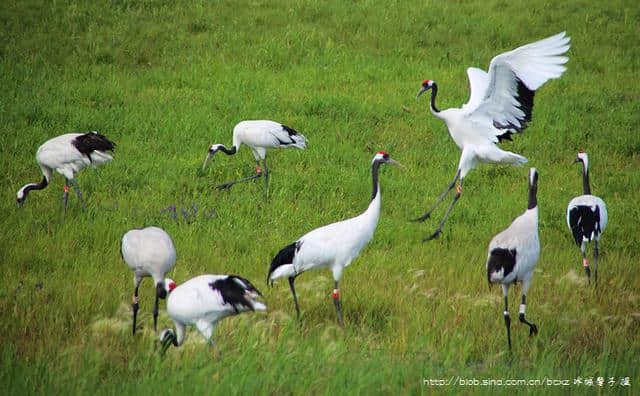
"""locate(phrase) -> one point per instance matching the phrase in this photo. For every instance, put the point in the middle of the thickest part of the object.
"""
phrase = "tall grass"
(164, 79)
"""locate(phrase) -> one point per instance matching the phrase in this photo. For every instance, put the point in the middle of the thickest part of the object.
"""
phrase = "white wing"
(513, 78)
(478, 84)
(265, 133)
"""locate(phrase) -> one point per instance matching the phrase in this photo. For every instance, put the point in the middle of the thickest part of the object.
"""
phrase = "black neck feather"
(227, 151)
(374, 175)
(434, 92)
(533, 192)
(585, 180)
(35, 186)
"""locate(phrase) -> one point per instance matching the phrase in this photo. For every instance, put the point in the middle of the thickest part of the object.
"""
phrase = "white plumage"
(500, 104)
(205, 300)
(149, 252)
(68, 154)
(587, 218)
(258, 135)
(513, 254)
(333, 246)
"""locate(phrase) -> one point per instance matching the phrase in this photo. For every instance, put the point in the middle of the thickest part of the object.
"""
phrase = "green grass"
(164, 79)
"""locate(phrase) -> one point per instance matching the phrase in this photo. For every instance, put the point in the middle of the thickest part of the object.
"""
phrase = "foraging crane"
(333, 246)
(587, 218)
(259, 136)
(500, 104)
(513, 254)
(148, 252)
(205, 300)
(68, 154)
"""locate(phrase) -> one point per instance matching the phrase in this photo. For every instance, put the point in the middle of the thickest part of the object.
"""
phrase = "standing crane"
(149, 252)
(587, 218)
(333, 246)
(68, 154)
(513, 255)
(205, 300)
(500, 104)
(259, 136)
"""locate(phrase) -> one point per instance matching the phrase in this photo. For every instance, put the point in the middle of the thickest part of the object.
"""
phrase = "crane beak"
(423, 90)
(206, 160)
(396, 164)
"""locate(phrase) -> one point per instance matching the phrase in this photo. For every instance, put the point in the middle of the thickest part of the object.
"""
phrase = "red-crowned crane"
(149, 252)
(513, 255)
(68, 154)
(333, 246)
(587, 218)
(259, 136)
(500, 104)
(205, 300)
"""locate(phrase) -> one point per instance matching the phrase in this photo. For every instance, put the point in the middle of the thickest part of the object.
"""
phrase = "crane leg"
(442, 197)
(595, 262)
(295, 299)
(155, 309)
(266, 178)
(76, 188)
(507, 319)
(438, 230)
(336, 302)
(585, 262)
(228, 185)
(134, 307)
(65, 195)
(533, 329)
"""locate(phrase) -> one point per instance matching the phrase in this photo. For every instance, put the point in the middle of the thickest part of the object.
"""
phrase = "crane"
(205, 300)
(587, 218)
(513, 255)
(333, 246)
(258, 135)
(68, 154)
(149, 252)
(500, 104)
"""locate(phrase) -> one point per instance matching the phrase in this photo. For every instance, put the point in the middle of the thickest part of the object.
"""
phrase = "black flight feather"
(500, 258)
(233, 292)
(284, 256)
(584, 221)
(92, 141)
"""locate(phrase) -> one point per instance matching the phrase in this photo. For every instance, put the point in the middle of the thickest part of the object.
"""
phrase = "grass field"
(164, 79)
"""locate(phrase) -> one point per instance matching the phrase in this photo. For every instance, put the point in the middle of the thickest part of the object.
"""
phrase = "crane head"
(165, 287)
(212, 150)
(582, 157)
(426, 85)
(384, 158)
(21, 197)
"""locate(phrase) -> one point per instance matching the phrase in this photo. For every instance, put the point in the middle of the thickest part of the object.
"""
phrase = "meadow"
(164, 79)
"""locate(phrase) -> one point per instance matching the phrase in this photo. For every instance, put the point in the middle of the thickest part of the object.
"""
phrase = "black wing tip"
(93, 141)
(584, 222)
(525, 98)
(283, 257)
(234, 293)
(501, 258)
(248, 285)
(505, 136)
(290, 130)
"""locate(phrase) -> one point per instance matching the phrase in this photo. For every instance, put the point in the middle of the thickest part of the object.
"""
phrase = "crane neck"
(374, 175)
(373, 211)
(432, 103)
(585, 180)
(231, 151)
(34, 186)
(533, 192)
